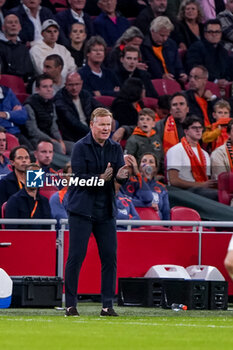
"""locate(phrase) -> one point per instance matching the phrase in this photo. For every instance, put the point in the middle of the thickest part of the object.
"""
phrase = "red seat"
(150, 214)
(48, 191)
(14, 82)
(150, 102)
(166, 86)
(184, 214)
(105, 100)
(11, 141)
(131, 20)
(225, 188)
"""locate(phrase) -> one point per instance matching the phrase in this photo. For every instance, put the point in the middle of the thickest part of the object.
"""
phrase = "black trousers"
(105, 235)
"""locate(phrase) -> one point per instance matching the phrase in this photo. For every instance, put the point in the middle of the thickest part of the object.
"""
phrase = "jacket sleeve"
(194, 56)
(165, 210)
(210, 135)
(131, 146)
(17, 117)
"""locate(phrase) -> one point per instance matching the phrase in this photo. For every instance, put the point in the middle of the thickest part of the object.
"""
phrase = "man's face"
(77, 5)
(213, 33)
(44, 153)
(11, 25)
(45, 89)
(107, 6)
(32, 4)
(2, 142)
(130, 61)
(197, 79)
(50, 35)
(229, 5)
(50, 68)
(158, 6)
(21, 159)
(179, 108)
(145, 123)
(161, 36)
(101, 128)
(78, 33)
(74, 85)
(221, 112)
(97, 54)
(194, 132)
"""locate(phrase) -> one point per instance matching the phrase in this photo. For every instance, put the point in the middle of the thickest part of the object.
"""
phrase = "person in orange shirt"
(216, 133)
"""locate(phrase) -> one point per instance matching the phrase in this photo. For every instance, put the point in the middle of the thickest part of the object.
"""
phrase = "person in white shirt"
(188, 165)
(49, 46)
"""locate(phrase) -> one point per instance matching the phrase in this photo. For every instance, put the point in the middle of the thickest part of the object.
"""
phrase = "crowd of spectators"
(71, 56)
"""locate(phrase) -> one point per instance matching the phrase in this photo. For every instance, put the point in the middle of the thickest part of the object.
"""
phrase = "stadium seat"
(149, 214)
(209, 86)
(131, 20)
(48, 191)
(105, 100)
(11, 141)
(14, 82)
(225, 188)
(179, 213)
(166, 86)
(150, 102)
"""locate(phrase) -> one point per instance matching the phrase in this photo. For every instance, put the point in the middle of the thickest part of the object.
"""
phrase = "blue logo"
(35, 178)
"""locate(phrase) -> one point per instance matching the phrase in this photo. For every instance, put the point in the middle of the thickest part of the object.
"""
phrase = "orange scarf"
(159, 54)
(137, 107)
(170, 136)
(229, 150)
(34, 209)
(198, 167)
(62, 193)
(138, 131)
(223, 137)
(204, 107)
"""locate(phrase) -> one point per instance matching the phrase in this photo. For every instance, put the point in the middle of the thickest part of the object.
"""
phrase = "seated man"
(42, 121)
(53, 66)
(128, 68)
(144, 137)
(188, 165)
(222, 157)
(74, 107)
(161, 53)
(15, 180)
(74, 14)
(4, 161)
(109, 24)
(216, 133)
(97, 79)
(28, 204)
(14, 55)
(210, 54)
(49, 46)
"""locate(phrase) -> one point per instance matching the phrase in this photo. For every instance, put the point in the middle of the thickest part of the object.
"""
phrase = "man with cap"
(48, 46)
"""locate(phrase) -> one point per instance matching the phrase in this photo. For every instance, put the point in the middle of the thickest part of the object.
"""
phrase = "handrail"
(51, 222)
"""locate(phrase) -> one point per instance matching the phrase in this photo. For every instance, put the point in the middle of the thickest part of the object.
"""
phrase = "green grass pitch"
(136, 329)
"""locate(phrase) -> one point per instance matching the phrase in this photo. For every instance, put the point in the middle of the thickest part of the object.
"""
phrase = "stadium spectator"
(97, 79)
(74, 107)
(42, 118)
(222, 157)
(49, 46)
(27, 203)
(226, 19)
(109, 24)
(209, 53)
(44, 155)
(170, 129)
(148, 167)
(77, 37)
(14, 55)
(128, 103)
(31, 16)
(189, 28)
(15, 180)
(216, 133)
(200, 99)
(127, 68)
(161, 53)
(212, 7)
(188, 165)
(131, 37)
(144, 138)
(53, 66)
(74, 14)
(4, 161)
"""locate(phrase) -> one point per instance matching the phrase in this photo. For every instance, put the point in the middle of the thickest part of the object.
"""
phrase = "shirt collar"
(76, 15)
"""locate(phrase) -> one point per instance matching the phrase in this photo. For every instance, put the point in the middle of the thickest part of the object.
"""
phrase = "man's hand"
(183, 77)
(118, 134)
(208, 95)
(168, 76)
(107, 175)
(17, 108)
(3, 115)
(97, 93)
